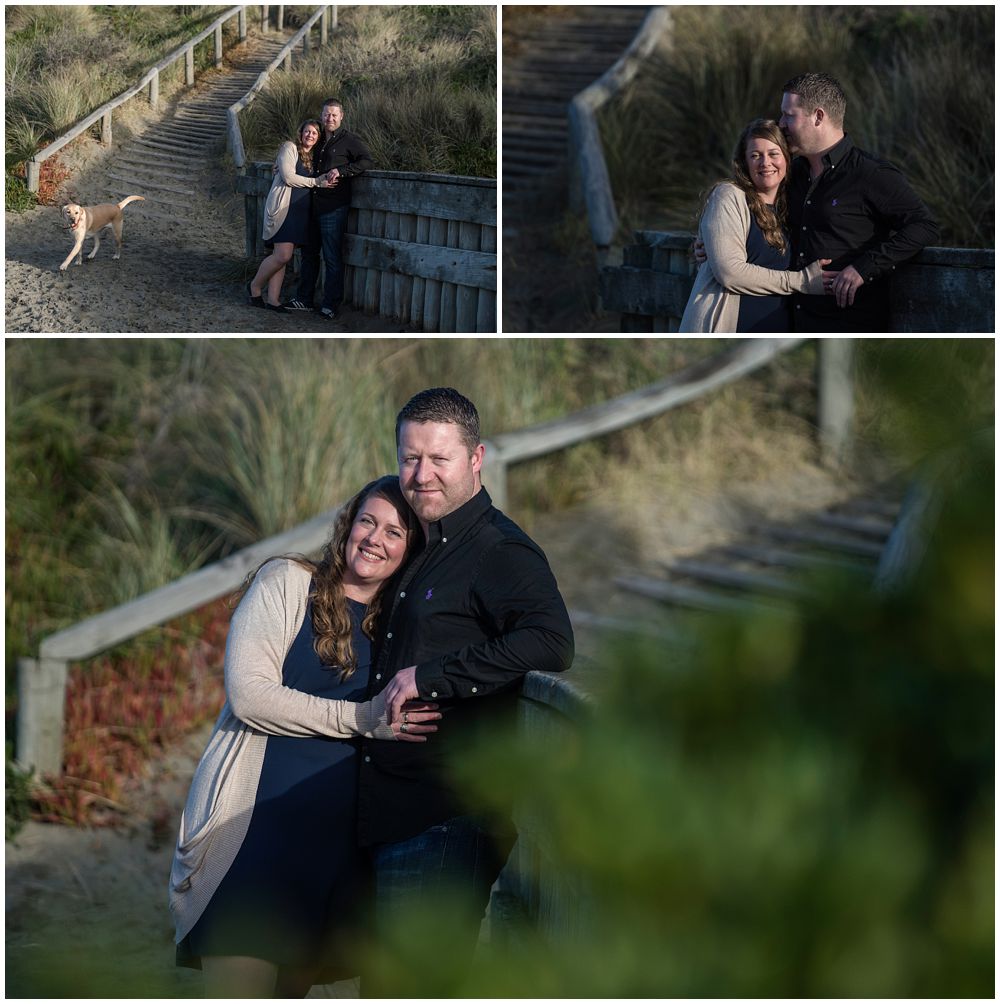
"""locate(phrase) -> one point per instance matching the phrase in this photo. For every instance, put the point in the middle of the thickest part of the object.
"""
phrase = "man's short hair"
(334, 101)
(819, 90)
(442, 404)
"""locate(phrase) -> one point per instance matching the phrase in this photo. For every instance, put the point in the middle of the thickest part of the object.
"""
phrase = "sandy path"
(183, 267)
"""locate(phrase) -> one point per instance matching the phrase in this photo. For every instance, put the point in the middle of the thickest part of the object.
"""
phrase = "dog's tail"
(131, 198)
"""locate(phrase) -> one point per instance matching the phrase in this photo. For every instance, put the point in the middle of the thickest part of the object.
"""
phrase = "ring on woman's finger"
(406, 716)
(404, 727)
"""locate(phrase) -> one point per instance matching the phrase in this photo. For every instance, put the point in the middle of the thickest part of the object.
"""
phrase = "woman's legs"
(274, 262)
(238, 976)
(274, 285)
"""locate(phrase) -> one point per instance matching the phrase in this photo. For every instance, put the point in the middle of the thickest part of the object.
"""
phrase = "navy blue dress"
(299, 884)
(295, 229)
(764, 314)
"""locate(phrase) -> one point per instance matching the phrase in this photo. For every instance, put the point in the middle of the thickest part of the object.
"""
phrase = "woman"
(267, 875)
(287, 214)
(743, 228)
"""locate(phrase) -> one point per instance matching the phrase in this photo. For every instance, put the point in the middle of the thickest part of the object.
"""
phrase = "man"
(344, 154)
(476, 609)
(847, 205)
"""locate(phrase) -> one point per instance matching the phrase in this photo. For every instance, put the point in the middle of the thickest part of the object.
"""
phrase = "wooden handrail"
(590, 187)
(694, 381)
(150, 79)
(42, 681)
(327, 17)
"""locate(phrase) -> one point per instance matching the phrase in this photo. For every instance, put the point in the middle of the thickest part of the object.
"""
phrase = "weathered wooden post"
(281, 17)
(835, 408)
(218, 47)
(241, 19)
(324, 25)
(189, 66)
(41, 703)
(333, 17)
(106, 129)
(265, 18)
(494, 474)
(154, 89)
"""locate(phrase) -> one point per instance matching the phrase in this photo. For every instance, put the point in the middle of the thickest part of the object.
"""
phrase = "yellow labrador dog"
(89, 221)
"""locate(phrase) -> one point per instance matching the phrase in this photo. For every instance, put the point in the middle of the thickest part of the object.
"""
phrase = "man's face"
(332, 116)
(436, 471)
(796, 124)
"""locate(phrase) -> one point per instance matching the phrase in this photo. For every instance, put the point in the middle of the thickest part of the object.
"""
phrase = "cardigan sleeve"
(260, 635)
(725, 226)
(288, 157)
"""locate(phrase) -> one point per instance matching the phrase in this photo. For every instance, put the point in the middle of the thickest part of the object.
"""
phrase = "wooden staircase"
(772, 562)
(546, 69)
(176, 158)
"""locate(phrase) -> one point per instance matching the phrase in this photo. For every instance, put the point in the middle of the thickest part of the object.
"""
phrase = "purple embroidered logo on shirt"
(833, 203)
(430, 593)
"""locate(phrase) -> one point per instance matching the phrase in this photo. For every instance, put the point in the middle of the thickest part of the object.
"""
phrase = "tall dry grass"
(919, 84)
(418, 84)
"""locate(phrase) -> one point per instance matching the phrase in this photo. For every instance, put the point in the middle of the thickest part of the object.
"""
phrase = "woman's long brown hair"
(306, 156)
(771, 224)
(331, 617)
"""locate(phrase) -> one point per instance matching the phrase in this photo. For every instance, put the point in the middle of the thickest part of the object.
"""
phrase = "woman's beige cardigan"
(714, 304)
(221, 800)
(280, 196)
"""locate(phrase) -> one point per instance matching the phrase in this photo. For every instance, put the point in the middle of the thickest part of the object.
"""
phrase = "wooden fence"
(939, 290)
(590, 185)
(42, 680)
(150, 81)
(420, 248)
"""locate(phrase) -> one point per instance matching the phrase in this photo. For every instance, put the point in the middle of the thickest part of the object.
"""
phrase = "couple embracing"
(805, 244)
(307, 207)
(353, 683)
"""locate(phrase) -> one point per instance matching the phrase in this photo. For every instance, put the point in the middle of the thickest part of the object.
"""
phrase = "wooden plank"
(467, 297)
(808, 560)
(486, 312)
(735, 578)
(444, 264)
(373, 277)
(437, 237)
(404, 281)
(448, 289)
(387, 285)
(419, 282)
(877, 528)
(829, 541)
(685, 596)
(364, 227)
(643, 291)
(349, 270)
(438, 196)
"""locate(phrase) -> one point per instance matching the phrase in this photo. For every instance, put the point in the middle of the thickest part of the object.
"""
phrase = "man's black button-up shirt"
(862, 212)
(475, 610)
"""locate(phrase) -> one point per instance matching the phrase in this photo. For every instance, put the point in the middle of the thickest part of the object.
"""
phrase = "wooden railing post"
(218, 47)
(154, 90)
(41, 703)
(241, 19)
(281, 17)
(494, 475)
(265, 18)
(323, 26)
(106, 129)
(333, 17)
(835, 407)
(189, 67)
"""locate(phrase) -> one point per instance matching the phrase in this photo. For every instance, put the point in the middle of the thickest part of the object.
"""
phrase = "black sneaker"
(279, 308)
(328, 313)
(255, 301)
(295, 305)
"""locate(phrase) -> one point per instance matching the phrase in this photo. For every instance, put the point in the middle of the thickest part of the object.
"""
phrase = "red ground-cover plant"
(52, 175)
(123, 709)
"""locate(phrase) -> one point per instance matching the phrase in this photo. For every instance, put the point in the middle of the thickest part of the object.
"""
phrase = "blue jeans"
(328, 236)
(441, 879)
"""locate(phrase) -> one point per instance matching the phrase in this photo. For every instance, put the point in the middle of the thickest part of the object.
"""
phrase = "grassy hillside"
(418, 83)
